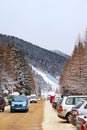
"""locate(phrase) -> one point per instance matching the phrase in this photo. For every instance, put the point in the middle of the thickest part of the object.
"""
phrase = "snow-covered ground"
(52, 122)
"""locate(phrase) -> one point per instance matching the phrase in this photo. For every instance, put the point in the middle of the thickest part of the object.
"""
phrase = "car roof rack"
(65, 95)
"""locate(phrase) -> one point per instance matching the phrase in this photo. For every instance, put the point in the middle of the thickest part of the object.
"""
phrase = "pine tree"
(72, 78)
(14, 66)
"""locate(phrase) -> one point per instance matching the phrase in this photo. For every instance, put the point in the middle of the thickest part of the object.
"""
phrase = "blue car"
(19, 103)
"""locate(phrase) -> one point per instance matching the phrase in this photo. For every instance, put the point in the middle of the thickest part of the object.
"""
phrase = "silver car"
(81, 122)
(79, 109)
(66, 104)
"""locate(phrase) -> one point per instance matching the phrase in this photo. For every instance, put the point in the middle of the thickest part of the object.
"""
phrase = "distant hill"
(61, 53)
(46, 60)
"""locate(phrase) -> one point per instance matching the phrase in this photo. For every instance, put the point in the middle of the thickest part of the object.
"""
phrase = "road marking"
(19, 121)
(35, 128)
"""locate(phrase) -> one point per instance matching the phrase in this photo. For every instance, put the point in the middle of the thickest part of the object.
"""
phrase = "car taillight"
(83, 126)
(75, 113)
(60, 108)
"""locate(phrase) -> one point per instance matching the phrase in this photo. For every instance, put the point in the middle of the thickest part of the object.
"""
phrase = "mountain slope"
(43, 59)
(60, 53)
(45, 81)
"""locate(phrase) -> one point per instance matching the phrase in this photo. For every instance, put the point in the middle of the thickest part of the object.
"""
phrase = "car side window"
(69, 101)
(77, 99)
(85, 106)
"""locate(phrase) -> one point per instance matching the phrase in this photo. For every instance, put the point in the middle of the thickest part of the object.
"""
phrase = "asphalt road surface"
(31, 120)
(41, 116)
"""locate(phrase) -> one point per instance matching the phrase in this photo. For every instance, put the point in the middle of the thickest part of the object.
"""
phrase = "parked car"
(66, 104)
(6, 100)
(19, 103)
(81, 122)
(78, 109)
(33, 98)
(51, 98)
(2, 103)
(55, 100)
(48, 97)
(59, 102)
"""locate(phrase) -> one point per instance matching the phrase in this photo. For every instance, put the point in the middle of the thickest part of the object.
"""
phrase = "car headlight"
(24, 105)
(12, 104)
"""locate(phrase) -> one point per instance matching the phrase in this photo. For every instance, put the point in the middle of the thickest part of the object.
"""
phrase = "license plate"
(17, 108)
(78, 124)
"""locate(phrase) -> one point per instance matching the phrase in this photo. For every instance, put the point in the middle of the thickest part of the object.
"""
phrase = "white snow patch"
(46, 78)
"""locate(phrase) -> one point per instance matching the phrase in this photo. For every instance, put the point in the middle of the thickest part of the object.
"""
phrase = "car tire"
(3, 109)
(68, 117)
(11, 110)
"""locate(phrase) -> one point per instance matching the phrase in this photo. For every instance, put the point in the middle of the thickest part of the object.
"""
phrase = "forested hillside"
(15, 72)
(43, 59)
(46, 61)
(74, 77)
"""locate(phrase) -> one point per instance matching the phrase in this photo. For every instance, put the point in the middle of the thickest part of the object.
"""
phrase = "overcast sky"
(50, 24)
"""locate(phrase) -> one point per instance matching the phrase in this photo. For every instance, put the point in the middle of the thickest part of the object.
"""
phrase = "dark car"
(54, 103)
(2, 103)
(79, 109)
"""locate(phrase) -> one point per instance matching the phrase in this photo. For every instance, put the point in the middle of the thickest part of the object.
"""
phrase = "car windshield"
(33, 97)
(19, 98)
(56, 99)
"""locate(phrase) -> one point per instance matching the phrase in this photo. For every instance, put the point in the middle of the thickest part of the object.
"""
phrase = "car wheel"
(26, 110)
(3, 109)
(11, 110)
(55, 106)
(68, 117)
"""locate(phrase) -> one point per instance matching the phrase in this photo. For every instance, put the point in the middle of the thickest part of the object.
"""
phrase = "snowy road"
(52, 122)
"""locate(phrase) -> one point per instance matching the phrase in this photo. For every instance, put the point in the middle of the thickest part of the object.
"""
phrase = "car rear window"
(59, 101)
(56, 99)
(32, 97)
